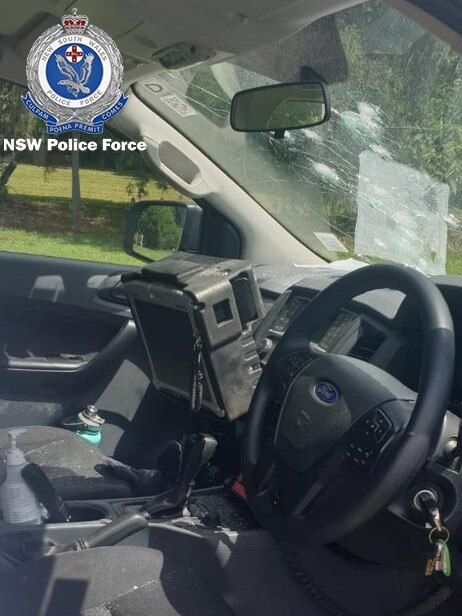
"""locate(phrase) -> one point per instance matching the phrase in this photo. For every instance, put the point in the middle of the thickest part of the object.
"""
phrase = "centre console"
(210, 512)
(83, 525)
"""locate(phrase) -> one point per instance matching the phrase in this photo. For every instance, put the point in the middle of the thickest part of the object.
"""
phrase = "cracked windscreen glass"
(382, 180)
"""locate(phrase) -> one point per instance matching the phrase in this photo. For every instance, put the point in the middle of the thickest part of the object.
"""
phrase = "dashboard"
(210, 326)
(350, 332)
(229, 316)
(380, 327)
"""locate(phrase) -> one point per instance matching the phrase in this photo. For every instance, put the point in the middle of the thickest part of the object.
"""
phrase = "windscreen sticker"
(157, 86)
(331, 242)
(177, 104)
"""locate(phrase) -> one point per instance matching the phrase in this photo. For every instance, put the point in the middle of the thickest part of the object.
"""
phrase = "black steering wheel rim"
(418, 436)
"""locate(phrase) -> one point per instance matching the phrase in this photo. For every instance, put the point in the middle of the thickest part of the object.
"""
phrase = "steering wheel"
(346, 436)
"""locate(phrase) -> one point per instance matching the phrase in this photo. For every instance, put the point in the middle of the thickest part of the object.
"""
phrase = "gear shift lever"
(197, 450)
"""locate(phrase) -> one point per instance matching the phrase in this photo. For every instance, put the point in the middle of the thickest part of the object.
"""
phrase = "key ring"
(442, 531)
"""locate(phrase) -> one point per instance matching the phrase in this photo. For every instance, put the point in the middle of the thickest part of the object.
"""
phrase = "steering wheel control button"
(369, 437)
(289, 368)
(295, 363)
(377, 426)
(326, 392)
(360, 456)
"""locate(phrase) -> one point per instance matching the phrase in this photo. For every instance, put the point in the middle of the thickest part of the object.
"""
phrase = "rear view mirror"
(279, 107)
(155, 229)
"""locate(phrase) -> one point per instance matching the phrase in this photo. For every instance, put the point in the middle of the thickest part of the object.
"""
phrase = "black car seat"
(128, 581)
(69, 462)
(131, 581)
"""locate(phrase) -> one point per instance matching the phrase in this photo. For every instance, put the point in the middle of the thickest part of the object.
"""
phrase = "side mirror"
(280, 107)
(155, 229)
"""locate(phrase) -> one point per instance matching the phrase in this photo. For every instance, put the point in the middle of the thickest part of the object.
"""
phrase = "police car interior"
(268, 419)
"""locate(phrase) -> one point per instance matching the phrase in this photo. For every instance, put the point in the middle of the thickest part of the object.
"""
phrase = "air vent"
(367, 344)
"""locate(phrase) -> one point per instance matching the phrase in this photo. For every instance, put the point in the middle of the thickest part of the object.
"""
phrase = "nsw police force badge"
(74, 74)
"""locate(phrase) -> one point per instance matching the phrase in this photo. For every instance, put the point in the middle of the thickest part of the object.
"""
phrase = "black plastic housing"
(219, 299)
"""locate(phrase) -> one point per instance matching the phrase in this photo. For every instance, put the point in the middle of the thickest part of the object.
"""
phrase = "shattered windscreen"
(382, 180)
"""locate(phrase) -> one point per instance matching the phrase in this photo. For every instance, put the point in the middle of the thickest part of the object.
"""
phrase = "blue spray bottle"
(87, 424)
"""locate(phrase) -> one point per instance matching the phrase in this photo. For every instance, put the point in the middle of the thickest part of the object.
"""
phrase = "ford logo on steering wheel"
(326, 392)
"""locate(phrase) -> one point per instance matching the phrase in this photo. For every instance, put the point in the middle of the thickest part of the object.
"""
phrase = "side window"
(70, 204)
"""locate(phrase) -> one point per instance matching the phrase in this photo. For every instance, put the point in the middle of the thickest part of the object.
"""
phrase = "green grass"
(150, 253)
(35, 217)
(105, 185)
(82, 246)
(454, 262)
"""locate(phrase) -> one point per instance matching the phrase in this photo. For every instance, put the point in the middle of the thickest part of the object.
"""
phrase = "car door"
(67, 337)
(65, 333)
